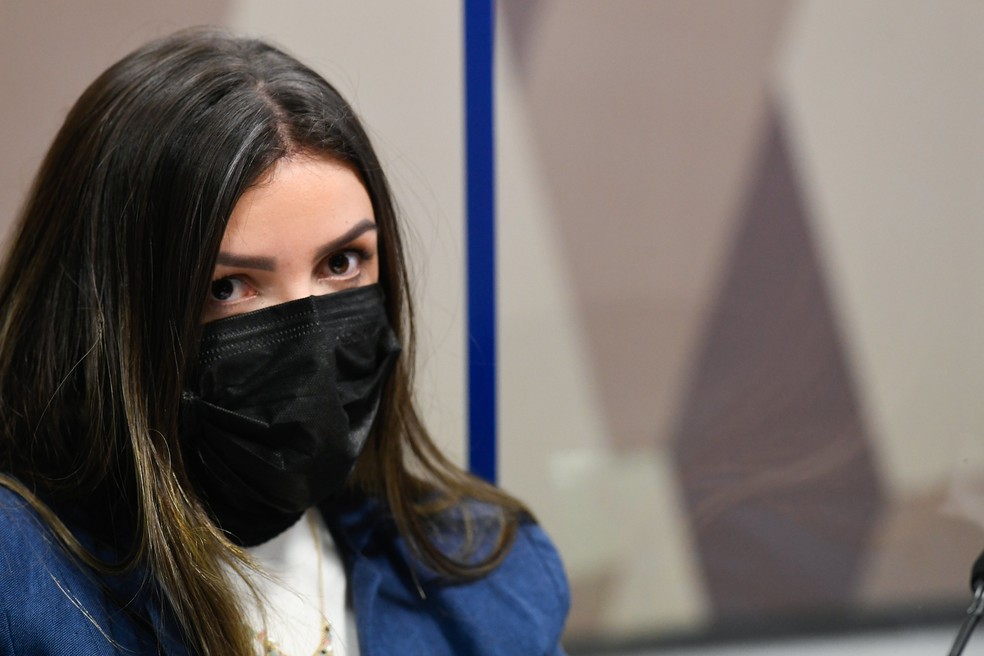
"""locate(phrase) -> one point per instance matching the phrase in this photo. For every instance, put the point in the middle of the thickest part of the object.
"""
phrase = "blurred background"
(739, 285)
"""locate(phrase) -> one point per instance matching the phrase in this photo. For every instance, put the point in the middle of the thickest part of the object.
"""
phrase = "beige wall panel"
(609, 513)
(657, 573)
(50, 51)
(400, 64)
(908, 562)
(883, 101)
(645, 119)
(616, 514)
(548, 399)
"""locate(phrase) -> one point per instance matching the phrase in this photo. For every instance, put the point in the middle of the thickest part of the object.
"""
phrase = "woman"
(201, 319)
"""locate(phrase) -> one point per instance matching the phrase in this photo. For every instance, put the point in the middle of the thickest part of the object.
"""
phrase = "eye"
(228, 290)
(344, 264)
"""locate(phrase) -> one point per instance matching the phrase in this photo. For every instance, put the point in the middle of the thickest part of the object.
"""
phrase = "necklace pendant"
(326, 648)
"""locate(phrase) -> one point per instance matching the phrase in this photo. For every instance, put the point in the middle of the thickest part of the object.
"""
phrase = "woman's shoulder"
(39, 586)
(534, 553)
(31, 557)
(23, 534)
(29, 546)
(474, 527)
(48, 598)
(518, 607)
(529, 588)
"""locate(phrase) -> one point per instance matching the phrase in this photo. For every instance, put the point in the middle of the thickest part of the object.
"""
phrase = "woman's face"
(307, 228)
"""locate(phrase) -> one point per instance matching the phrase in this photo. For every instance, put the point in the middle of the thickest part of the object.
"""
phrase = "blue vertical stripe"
(480, 235)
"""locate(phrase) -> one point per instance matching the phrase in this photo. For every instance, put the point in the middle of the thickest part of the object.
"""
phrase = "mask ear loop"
(974, 613)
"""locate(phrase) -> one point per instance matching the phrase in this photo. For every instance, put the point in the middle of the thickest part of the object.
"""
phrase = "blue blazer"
(49, 604)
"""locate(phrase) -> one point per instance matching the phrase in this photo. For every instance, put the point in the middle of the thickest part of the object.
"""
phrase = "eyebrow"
(270, 264)
(353, 233)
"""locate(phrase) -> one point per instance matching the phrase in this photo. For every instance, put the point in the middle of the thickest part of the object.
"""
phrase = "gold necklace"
(325, 647)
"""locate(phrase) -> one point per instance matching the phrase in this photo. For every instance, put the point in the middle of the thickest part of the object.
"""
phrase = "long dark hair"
(101, 301)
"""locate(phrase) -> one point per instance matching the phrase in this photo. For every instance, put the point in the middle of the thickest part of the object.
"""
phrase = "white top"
(291, 596)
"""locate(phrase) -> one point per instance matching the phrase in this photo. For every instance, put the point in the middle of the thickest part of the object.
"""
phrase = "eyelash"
(362, 256)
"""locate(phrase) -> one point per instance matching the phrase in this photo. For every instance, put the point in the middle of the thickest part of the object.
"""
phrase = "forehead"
(299, 201)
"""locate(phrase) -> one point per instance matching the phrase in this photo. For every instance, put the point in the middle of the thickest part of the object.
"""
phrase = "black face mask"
(281, 405)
